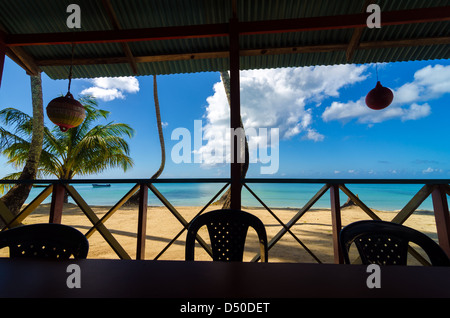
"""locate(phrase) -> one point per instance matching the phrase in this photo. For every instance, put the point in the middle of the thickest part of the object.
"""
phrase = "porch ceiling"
(133, 37)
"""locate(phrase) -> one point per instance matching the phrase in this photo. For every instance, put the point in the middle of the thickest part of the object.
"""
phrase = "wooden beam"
(18, 55)
(109, 238)
(2, 61)
(356, 36)
(235, 117)
(349, 21)
(442, 217)
(298, 215)
(249, 52)
(113, 209)
(422, 15)
(336, 222)
(175, 213)
(116, 25)
(404, 43)
(116, 36)
(142, 222)
(26, 59)
(284, 226)
(30, 207)
(6, 215)
(57, 204)
(2, 56)
(358, 202)
(413, 204)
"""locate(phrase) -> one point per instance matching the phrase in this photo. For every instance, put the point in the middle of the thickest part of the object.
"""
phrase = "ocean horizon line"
(381, 197)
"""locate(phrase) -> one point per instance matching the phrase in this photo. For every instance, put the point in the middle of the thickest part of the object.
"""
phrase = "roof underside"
(162, 42)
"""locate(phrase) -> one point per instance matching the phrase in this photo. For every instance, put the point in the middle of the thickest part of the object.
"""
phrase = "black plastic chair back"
(386, 243)
(227, 231)
(50, 241)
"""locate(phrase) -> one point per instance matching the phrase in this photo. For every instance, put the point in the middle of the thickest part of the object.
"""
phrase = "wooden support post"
(142, 222)
(441, 215)
(2, 59)
(336, 222)
(57, 203)
(235, 116)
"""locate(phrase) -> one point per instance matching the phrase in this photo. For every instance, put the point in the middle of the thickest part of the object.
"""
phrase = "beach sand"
(313, 229)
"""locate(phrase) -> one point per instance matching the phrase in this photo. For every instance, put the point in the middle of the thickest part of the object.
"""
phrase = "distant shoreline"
(284, 196)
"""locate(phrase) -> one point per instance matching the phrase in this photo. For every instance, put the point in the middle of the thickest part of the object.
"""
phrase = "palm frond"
(83, 150)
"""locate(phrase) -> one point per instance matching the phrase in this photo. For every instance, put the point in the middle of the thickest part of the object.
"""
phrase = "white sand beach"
(313, 229)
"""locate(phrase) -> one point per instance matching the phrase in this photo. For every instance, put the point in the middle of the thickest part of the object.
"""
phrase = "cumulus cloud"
(278, 98)
(110, 88)
(409, 101)
(431, 170)
(358, 109)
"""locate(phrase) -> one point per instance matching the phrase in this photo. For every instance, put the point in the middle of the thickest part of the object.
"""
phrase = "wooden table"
(179, 279)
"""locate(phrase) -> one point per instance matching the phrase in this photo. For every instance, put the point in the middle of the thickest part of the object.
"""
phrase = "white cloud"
(431, 170)
(279, 98)
(409, 101)
(351, 110)
(428, 170)
(110, 88)
(313, 135)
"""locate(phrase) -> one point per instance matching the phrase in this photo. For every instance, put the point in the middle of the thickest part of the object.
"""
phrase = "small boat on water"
(101, 185)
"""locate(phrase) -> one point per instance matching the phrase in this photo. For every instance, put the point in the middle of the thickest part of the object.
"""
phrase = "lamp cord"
(376, 70)
(70, 70)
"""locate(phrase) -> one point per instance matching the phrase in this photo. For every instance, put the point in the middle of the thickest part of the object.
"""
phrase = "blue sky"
(325, 130)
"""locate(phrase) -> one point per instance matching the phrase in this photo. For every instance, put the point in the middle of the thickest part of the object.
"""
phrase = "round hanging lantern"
(380, 97)
(66, 112)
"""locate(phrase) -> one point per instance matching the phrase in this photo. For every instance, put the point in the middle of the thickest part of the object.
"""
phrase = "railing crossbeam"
(442, 217)
(288, 229)
(208, 249)
(111, 211)
(29, 208)
(358, 202)
(109, 238)
(177, 215)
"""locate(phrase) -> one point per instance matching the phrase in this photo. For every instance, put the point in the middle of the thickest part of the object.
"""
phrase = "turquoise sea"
(375, 196)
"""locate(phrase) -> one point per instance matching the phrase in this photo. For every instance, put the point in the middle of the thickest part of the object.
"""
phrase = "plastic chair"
(49, 241)
(386, 243)
(227, 231)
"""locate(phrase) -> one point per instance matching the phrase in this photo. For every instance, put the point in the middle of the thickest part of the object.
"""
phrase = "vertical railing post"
(57, 204)
(142, 222)
(441, 214)
(235, 116)
(336, 222)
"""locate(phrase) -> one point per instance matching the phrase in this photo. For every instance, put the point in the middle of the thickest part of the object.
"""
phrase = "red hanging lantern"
(380, 97)
(65, 111)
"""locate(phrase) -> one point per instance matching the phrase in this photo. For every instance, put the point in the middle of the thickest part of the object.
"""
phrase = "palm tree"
(225, 199)
(134, 199)
(16, 196)
(83, 150)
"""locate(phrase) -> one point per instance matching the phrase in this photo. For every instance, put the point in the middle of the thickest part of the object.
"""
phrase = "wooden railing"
(437, 189)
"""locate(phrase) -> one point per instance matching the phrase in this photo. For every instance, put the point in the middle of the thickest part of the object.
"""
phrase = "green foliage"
(87, 149)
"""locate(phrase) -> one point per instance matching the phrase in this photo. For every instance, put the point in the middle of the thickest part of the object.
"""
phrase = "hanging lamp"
(379, 97)
(65, 111)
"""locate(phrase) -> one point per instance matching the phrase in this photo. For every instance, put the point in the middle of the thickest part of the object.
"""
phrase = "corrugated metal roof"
(49, 16)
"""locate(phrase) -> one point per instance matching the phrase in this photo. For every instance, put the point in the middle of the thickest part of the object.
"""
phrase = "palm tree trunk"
(225, 200)
(17, 195)
(160, 131)
(134, 199)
